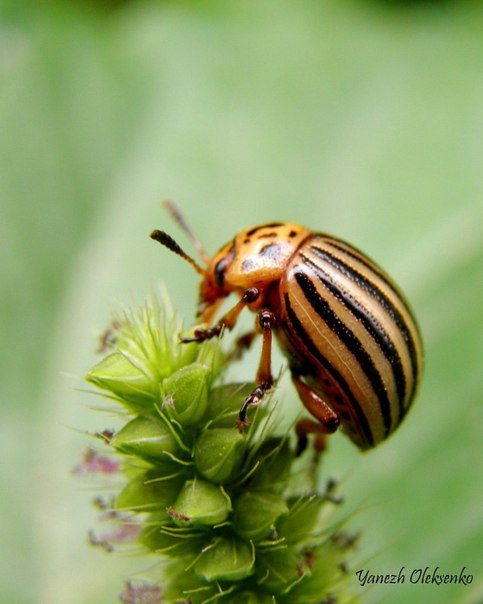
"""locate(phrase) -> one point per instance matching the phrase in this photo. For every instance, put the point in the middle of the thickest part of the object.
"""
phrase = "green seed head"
(223, 509)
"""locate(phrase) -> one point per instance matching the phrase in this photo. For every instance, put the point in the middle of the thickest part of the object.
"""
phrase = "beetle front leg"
(226, 322)
(200, 335)
(328, 420)
(264, 379)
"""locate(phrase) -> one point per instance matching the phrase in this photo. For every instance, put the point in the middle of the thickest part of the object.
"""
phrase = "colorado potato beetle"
(351, 339)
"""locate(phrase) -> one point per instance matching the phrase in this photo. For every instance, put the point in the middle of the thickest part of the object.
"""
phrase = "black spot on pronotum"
(272, 251)
(272, 225)
(247, 265)
(220, 272)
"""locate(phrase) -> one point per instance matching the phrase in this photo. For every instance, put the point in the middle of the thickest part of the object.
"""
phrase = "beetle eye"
(219, 272)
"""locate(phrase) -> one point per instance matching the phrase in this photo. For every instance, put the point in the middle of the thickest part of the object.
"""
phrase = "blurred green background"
(360, 118)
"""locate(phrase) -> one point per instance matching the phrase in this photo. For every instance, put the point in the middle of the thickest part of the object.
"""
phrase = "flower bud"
(145, 437)
(144, 493)
(256, 513)
(302, 519)
(278, 569)
(170, 543)
(219, 453)
(226, 560)
(274, 460)
(325, 568)
(200, 503)
(123, 378)
(186, 391)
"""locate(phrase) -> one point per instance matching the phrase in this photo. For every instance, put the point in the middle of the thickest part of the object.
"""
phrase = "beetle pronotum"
(351, 339)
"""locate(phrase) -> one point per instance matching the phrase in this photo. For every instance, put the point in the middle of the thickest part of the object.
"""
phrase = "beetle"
(353, 344)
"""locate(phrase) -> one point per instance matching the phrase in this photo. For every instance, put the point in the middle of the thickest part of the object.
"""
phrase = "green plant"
(231, 516)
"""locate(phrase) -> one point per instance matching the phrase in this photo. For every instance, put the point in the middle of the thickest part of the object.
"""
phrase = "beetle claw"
(200, 335)
(242, 423)
(254, 399)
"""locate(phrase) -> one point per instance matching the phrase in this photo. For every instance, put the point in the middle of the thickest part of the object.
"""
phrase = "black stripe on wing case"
(371, 325)
(336, 375)
(350, 341)
(372, 289)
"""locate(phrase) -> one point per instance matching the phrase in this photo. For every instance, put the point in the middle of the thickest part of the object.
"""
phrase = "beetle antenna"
(181, 221)
(166, 240)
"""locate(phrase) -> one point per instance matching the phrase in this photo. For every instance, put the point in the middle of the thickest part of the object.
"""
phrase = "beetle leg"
(226, 322)
(264, 379)
(328, 420)
(303, 428)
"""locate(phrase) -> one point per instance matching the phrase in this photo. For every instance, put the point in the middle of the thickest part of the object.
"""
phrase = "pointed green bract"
(219, 453)
(256, 512)
(272, 465)
(226, 560)
(146, 493)
(186, 393)
(200, 503)
(125, 378)
(145, 437)
(303, 518)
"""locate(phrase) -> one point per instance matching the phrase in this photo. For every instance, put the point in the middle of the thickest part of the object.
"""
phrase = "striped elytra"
(341, 315)
(352, 342)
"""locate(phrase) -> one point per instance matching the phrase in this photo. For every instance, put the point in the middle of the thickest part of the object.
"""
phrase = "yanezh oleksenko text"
(416, 575)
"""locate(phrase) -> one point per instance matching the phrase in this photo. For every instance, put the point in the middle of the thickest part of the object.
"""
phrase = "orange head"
(256, 257)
